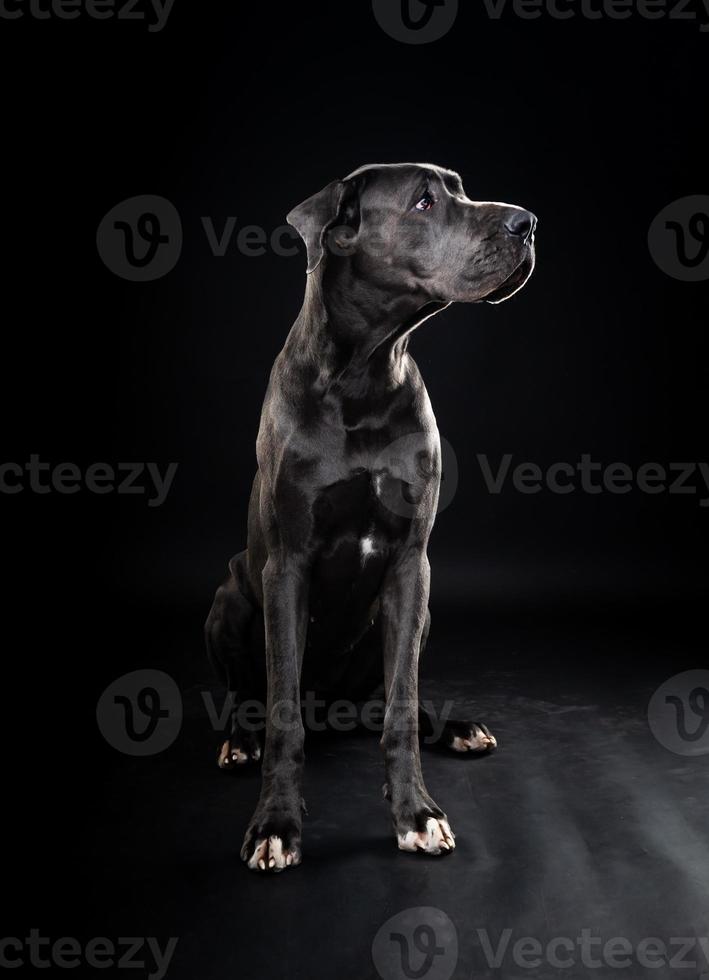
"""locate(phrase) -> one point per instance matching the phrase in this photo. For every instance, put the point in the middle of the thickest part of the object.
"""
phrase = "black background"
(245, 110)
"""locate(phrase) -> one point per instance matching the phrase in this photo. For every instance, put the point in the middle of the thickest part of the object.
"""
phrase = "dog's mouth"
(514, 282)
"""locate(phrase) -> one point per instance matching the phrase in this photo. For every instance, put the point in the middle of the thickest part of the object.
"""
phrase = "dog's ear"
(315, 217)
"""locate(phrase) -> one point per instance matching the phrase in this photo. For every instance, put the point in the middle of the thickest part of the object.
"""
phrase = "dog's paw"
(469, 737)
(419, 823)
(235, 753)
(436, 838)
(270, 854)
(272, 842)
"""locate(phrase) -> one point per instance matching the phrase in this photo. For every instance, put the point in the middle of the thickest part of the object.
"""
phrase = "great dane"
(331, 593)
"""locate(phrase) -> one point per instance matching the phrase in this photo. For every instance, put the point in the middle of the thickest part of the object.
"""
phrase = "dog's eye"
(426, 202)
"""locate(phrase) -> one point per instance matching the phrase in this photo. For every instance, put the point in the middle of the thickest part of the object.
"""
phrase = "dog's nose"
(521, 224)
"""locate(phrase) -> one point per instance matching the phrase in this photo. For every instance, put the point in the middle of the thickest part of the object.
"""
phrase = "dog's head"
(410, 228)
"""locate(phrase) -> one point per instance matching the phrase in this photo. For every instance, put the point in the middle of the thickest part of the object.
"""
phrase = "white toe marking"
(435, 838)
(407, 842)
(269, 855)
(278, 858)
(231, 756)
(257, 858)
(448, 833)
(474, 743)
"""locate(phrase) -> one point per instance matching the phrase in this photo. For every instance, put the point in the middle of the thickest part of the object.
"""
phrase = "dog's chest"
(353, 511)
(353, 537)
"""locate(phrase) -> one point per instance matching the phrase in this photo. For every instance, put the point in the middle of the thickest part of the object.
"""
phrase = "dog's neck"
(355, 338)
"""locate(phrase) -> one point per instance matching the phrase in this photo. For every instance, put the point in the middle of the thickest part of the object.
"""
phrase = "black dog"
(332, 590)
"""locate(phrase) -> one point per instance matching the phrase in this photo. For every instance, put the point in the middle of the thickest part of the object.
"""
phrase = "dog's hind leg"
(233, 634)
(466, 737)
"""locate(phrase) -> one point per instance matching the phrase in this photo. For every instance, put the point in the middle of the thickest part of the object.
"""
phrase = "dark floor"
(581, 821)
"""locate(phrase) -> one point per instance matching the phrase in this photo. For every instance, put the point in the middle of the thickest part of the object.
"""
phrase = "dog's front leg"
(419, 823)
(273, 839)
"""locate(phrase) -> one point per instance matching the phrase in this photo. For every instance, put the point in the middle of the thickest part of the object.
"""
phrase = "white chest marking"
(367, 547)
